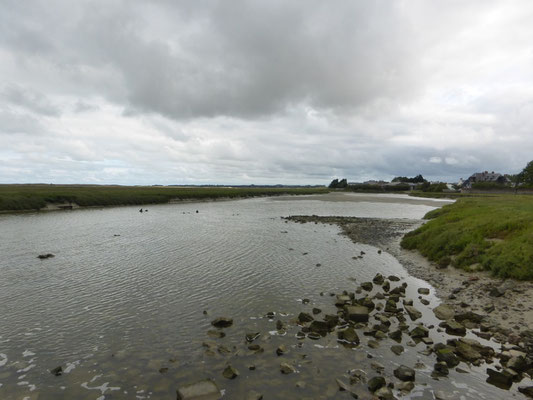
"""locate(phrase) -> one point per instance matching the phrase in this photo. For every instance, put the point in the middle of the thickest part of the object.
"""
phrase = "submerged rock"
(230, 372)
(503, 379)
(45, 256)
(397, 349)
(286, 368)
(202, 390)
(253, 395)
(304, 317)
(57, 371)
(423, 291)
(222, 322)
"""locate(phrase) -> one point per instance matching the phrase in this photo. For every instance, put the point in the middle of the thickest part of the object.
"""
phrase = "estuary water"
(125, 305)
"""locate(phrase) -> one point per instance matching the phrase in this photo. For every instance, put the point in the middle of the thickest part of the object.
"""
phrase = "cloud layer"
(178, 92)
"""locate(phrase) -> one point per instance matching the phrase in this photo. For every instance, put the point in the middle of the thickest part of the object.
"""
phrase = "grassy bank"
(494, 233)
(36, 197)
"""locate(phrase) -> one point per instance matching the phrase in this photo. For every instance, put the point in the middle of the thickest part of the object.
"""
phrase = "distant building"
(374, 182)
(490, 177)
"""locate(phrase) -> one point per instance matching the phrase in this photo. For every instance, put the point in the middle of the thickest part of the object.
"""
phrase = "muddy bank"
(506, 305)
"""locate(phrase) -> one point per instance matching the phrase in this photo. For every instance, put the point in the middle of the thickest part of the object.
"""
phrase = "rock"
(404, 373)
(497, 292)
(57, 371)
(332, 320)
(518, 364)
(342, 385)
(373, 344)
(215, 334)
(469, 316)
(356, 313)
(376, 383)
(304, 317)
(405, 387)
(390, 306)
(386, 286)
(378, 279)
(425, 302)
(423, 291)
(286, 368)
(316, 311)
(282, 349)
(253, 395)
(396, 335)
(466, 352)
(256, 348)
(414, 314)
(270, 315)
(222, 322)
(251, 336)
(447, 355)
(367, 286)
(397, 349)
(163, 370)
(45, 256)
(419, 332)
(503, 379)
(393, 278)
(384, 393)
(454, 328)
(527, 390)
(280, 325)
(342, 299)
(230, 372)
(349, 335)
(444, 312)
(202, 390)
(441, 369)
(320, 327)
(306, 301)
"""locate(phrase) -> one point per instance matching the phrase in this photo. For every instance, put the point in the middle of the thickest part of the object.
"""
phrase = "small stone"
(230, 372)
(404, 373)
(251, 336)
(423, 291)
(316, 311)
(443, 312)
(282, 349)
(367, 286)
(216, 334)
(441, 369)
(349, 335)
(57, 371)
(397, 349)
(286, 368)
(376, 383)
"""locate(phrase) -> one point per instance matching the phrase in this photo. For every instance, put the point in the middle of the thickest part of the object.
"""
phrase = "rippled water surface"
(121, 305)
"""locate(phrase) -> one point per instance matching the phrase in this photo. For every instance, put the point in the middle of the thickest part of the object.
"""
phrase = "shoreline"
(506, 305)
(53, 207)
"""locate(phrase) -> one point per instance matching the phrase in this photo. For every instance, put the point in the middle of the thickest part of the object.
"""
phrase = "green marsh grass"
(494, 233)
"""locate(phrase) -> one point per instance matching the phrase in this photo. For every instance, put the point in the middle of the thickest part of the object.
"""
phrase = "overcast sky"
(264, 92)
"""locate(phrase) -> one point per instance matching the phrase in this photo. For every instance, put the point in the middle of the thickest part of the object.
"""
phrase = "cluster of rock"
(379, 311)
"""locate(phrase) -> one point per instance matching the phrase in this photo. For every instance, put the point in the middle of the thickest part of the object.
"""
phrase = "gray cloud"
(117, 91)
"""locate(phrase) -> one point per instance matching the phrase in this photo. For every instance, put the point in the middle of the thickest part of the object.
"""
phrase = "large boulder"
(201, 390)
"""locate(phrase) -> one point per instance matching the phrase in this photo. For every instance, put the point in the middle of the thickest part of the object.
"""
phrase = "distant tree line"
(417, 179)
(336, 184)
